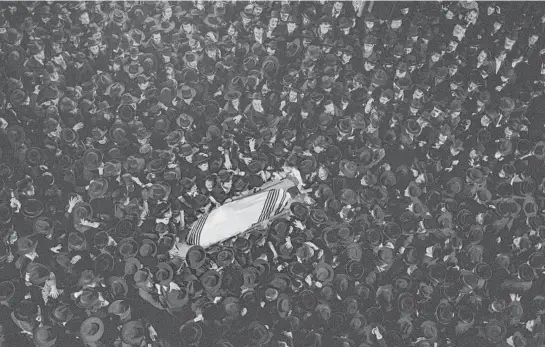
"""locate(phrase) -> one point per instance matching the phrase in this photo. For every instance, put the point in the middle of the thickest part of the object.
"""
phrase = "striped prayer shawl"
(237, 217)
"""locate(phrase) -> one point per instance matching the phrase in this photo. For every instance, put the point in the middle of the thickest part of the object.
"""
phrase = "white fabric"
(236, 217)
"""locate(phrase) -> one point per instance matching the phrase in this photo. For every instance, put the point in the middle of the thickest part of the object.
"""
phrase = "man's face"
(449, 15)
(502, 55)
(258, 31)
(84, 18)
(338, 5)
(324, 27)
(211, 53)
(508, 43)
(490, 10)
(417, 94)
(188, 28)
(482, 56)
(485, 121)
(497, 26)
(291, 26)
(284, 16)
(435, 57)
(322, 173)
(40, 55)
(396, 24)
(246, 21)
(256, 103)
(56, 47)
(231, 31)
(459, 32)
(94, 49)
(383, 100)
(209, 184)
(258, 10)
(167, 13)
(369, 24)
(435, 112)
(293, 96)
(368, 47)
(156, 38)
(452, 46)
(203, 166)
(369, 66)
(227, 185)
(273, 22)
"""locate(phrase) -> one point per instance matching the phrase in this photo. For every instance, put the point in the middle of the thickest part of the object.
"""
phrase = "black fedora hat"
(92, 158)
(120, 308)
(355, 269)
(308, 300)
(104, 263)
(6, 212)
(444, 312)
(318, 216)
(406, 303)
(299, 210)
(465, 314)
(504, 189)
(373, 236)
(483, 270)
(62, 313)
(537, 260)
(101, 239)
(392, 230)
(436, 272)
(127, 247)
(196, 257)
(32, 208)
(7, 292)
(211, 281)
(374, 316)
(259, 334)
(34, 156)
(125, 228)
(297, 270)
(38, 273)
(526, 272)
(118, 287)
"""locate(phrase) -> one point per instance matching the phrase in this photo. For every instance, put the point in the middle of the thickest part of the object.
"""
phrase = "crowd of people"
(413, 131)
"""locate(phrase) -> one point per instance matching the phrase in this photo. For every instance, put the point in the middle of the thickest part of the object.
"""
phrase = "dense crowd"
(413, 132)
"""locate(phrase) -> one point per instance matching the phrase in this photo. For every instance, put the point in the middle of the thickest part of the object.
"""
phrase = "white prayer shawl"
(237, 216)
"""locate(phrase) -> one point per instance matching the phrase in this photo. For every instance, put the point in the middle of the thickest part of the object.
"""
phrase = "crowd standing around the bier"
(413, 132)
